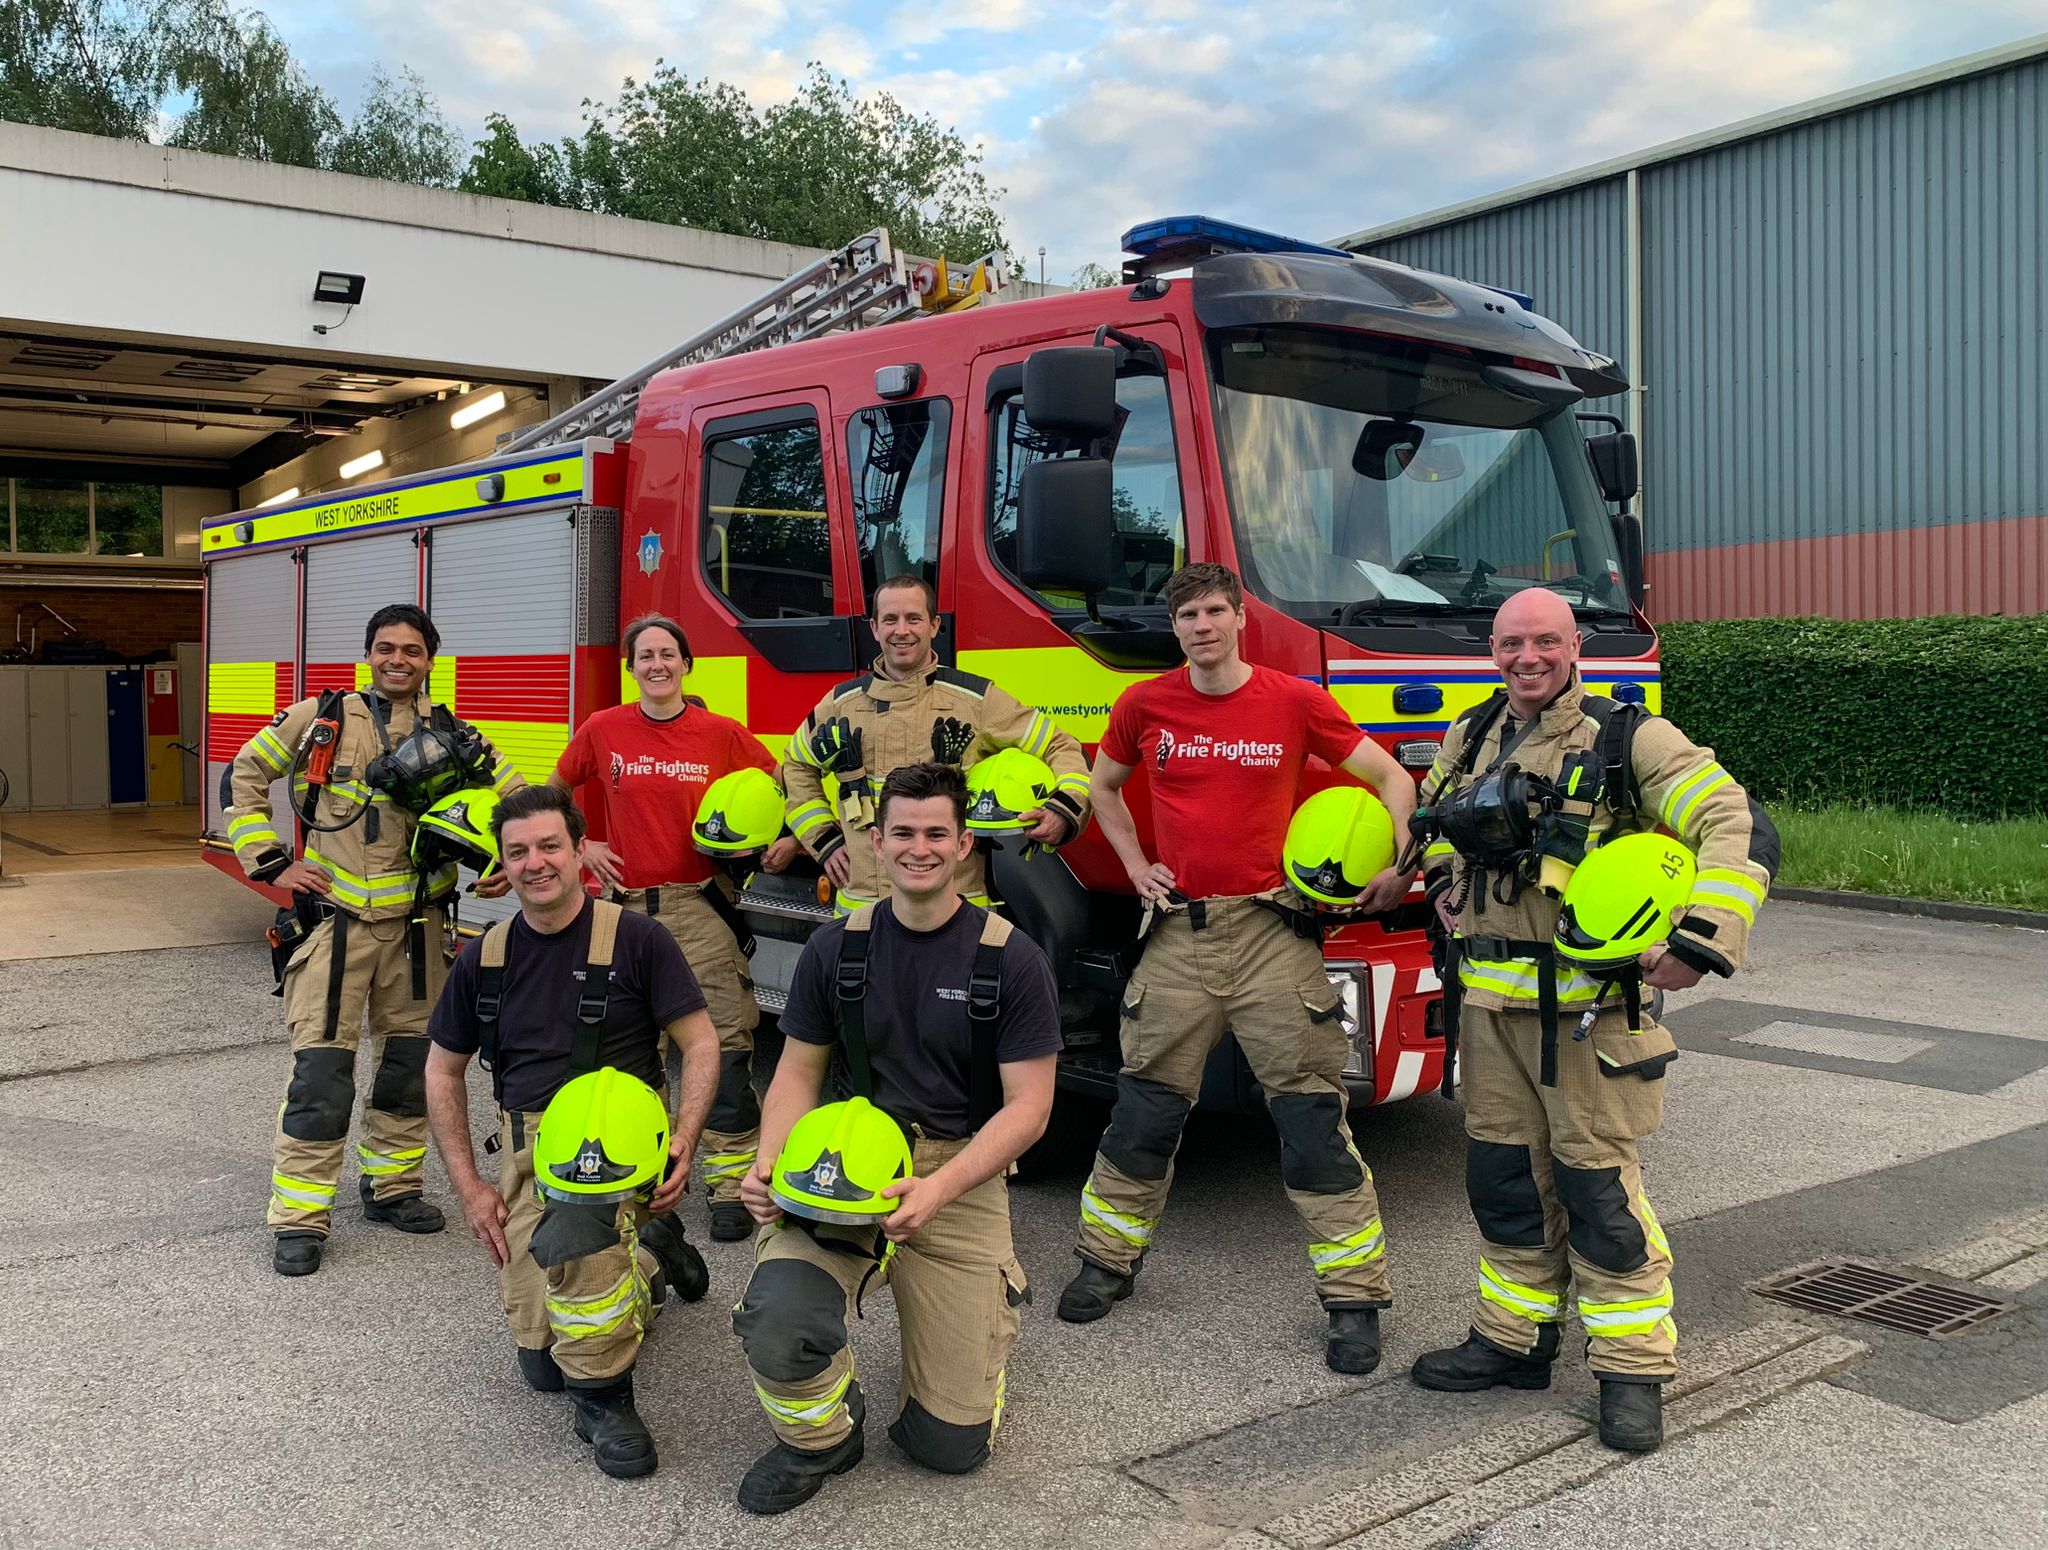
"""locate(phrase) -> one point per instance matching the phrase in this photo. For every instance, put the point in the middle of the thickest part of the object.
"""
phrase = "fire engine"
(1383, 454)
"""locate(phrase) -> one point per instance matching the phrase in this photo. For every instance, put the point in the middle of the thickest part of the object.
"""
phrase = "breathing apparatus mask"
(1525, 829)
(439, 756)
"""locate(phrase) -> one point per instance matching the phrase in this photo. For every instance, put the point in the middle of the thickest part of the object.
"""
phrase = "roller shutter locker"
(346, 582)
(503, 593)
(252, 627)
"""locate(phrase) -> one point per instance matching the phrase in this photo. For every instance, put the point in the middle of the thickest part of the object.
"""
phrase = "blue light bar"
(1188, 237)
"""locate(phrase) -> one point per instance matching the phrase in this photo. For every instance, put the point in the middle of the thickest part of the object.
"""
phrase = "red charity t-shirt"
(653, 774)
(1226, 771)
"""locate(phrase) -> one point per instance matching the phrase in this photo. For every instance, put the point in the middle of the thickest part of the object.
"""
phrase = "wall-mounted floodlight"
(362, 465)
(477, 409)
(344, 290)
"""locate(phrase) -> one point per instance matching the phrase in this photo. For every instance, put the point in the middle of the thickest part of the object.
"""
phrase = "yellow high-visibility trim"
(1368, 1243)
(1529, 1302)
(581, 1319)
(1718, 888)
(270, 747)
(1517, 978)
(1690, 792)
(302, 1194)
(1134, 1230)
(1652, 1228)
(378, 1163)
(1637, 1316)
(806, 1412)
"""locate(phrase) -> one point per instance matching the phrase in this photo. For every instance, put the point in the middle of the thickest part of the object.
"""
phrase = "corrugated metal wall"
(1844, 357)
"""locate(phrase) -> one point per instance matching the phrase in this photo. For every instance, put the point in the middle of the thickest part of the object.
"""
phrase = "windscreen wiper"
(1368, 607)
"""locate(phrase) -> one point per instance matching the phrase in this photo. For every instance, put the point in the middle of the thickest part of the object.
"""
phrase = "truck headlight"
(1348, 980)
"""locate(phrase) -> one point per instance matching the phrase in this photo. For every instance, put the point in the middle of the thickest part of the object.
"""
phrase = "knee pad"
(792, 1320)
(323, 1091)
(1144, 1128)
(1602, 1229)
(400, 1086)
(734, 1107)
(1313, 1155)
(1503, 1193)
(940, 1445)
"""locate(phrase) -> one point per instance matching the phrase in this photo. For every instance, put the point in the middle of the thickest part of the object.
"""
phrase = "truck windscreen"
(1371, 476)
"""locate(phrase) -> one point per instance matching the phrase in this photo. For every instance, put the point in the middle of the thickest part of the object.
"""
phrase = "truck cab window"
(896, 454)
(1150, 540)
(767, 544)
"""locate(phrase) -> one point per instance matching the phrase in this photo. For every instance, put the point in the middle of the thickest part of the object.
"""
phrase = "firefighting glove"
(835, 747)
(950, 737)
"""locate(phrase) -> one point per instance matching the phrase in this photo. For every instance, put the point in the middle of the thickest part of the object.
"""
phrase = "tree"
(1092, 276)
(249, 96)
(814, 171)
(94, 66)
(399, 135)
(502, 167)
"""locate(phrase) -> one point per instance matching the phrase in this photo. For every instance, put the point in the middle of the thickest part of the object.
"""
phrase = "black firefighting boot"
(606, 1419)
(730, 1221)
(297, 1253)
(683, 1267)
(786, 1477)
(1479, 1364)
(1631, 1415)
(1354, 1340)
(408, 1213)
(537, 1367)
(1093, 1293)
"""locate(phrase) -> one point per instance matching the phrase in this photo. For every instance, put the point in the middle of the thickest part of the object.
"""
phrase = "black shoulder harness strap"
(984, 1011)
(590, 1006)
(1618, 723)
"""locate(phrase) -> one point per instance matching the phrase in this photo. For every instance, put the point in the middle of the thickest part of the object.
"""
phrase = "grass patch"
(1917, 855)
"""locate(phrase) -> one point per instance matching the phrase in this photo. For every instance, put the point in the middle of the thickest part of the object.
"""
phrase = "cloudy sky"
(1315, 117)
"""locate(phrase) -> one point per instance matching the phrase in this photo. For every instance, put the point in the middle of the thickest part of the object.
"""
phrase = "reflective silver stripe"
(302, 1192)
(1133, 1230)
(390, 1162)
(1637, 1317)
(597, 1315)
(1528, 1301)
(807, 1412)
(1368, 1243)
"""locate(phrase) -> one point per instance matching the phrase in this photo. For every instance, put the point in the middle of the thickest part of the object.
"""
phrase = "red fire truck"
(1382, 454)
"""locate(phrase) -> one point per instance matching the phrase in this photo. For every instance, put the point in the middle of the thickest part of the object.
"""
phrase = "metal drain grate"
(1857, 1291)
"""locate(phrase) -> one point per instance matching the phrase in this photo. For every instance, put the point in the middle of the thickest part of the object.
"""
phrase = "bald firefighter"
(909, 709)
(362, 947)
(1562, 1074)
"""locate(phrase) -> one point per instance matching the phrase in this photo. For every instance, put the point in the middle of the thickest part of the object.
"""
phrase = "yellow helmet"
(1337, 842)
(603, 1138)
(837, 1160)
(1005, 786)
(1620, 900)
(741, 813)
(458, 828)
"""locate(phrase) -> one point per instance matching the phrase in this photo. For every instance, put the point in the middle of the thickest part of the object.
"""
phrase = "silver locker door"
(88, 730)
(252, 627)
(49, 736)
(503, 595)
(14, 757)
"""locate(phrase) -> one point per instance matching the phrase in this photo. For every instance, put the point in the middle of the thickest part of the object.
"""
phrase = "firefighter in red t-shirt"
(651, 762)
(1230, 946)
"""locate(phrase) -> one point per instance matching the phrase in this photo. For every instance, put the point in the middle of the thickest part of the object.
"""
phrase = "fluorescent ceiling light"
(280, 498)
(480, 409)
(362, 465)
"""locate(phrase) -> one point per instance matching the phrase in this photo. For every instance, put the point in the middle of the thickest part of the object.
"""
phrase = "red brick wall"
(134, 622)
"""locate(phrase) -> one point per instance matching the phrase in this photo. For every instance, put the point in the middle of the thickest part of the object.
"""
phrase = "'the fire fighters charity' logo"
(1165, 747)
(618, 769)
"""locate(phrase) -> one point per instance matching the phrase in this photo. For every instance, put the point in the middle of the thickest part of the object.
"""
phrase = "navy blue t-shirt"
(651, 986)
(919, 1045)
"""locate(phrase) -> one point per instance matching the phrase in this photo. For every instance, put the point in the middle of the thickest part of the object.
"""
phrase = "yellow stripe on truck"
(241, 688)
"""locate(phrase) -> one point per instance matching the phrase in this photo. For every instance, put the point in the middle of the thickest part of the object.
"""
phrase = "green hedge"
(1948, 713)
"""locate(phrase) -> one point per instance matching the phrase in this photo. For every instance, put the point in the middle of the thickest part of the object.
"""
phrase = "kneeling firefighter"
(1546, 790)
(567, 1004)
(945, 1024)
(362, 945)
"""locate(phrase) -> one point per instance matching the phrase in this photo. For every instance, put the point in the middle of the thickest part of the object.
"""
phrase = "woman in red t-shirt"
(651, 762)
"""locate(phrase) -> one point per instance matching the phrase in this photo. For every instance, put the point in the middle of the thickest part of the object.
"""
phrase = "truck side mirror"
(1614, 465)
(1628, 544)
(1070, 391)
(1065, 522)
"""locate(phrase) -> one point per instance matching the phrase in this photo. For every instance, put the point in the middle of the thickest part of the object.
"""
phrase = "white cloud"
(1317, 118)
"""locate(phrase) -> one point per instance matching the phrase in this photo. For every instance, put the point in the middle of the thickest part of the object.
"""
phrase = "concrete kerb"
(1933, 909)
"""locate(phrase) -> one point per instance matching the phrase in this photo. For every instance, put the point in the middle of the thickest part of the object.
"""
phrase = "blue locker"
(127, 739)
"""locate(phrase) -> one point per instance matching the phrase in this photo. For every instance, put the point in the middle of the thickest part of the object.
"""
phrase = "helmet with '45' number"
(603, 1138)
(1620, 900)
(1337, 842)
(836, 1162)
